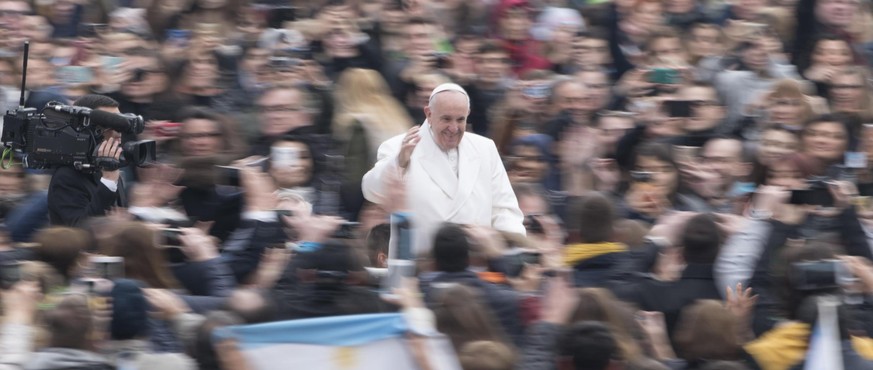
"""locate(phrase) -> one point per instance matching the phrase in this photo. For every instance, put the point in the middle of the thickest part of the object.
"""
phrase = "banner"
(354, 342)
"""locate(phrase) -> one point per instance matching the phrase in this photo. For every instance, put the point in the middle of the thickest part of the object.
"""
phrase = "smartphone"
(178, 37)
(111, 63)
(277, 16)
(532, 225)
(679, 108)
(442, 60)
(816, 196)
(664, 76)
(92, 30)
(515, 262)
(175, 255)
(686, 154)
(283, 156)
(230, 176)
(284, 63)
(641, 176)
(818, 275)
(107, 267)
(10, 274)
(537, 92)
(74, 75)
(170, 237)
(347, 230)
(855, 160)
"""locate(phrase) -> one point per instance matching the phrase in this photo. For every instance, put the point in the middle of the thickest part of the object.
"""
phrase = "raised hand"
(740, 301)
(409, 142)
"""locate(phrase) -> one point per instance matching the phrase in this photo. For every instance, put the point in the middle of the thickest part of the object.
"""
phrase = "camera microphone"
(123, 123)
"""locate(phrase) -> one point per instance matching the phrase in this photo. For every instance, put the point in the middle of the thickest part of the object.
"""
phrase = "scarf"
(575, 253)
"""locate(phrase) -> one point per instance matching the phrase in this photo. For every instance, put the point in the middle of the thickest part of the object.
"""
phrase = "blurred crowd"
(694, 174)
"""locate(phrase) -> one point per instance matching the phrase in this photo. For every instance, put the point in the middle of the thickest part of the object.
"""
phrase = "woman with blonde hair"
(785, 104)
(365, 116)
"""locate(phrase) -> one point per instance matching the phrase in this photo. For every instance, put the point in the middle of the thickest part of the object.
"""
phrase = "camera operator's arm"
(70, 198)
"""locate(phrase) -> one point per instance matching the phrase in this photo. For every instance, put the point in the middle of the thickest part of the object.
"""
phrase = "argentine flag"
(354, 342)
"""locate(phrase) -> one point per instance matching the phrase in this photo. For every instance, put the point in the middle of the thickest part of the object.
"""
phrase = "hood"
(63, 358)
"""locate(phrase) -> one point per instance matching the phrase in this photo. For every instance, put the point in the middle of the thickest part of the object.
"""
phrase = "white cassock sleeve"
(375, 180)
(505, 213)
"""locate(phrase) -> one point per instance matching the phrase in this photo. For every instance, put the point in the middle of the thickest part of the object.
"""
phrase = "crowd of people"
(685, 180)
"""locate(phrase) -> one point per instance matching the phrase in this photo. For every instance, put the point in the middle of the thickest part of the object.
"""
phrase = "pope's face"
(447, 115)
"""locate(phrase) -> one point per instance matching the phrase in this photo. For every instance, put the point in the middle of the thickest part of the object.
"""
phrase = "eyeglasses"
(278, 109)
(201, 135)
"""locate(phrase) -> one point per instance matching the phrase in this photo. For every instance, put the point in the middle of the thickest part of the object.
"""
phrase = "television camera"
(66, 135)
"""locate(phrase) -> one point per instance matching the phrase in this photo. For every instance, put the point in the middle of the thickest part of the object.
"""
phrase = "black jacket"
(670, 298)
(74, 196)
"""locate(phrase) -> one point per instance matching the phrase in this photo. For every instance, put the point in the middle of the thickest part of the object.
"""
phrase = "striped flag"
(354, 342)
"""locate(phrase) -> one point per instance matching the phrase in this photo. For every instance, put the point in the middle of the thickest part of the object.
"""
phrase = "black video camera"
(66, 135)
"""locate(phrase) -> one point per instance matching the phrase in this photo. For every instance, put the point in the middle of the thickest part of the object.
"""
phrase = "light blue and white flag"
(354, 342)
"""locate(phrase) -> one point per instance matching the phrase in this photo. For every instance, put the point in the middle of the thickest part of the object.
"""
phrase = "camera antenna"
(24, 73)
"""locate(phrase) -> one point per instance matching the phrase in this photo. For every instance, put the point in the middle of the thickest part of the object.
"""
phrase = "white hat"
(448, 87)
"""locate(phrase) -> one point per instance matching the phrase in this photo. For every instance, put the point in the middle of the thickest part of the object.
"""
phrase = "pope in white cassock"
(450, 175)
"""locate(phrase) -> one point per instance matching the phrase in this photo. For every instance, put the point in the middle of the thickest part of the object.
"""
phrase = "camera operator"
(809, 273)
(75, 195)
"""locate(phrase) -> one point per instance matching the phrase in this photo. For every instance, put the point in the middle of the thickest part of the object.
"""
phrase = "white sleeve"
(505, 213)
(111, 185)
(374, 182)
(740, 254)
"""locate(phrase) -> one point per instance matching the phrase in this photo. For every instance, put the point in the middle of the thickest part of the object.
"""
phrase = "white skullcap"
(448, 87)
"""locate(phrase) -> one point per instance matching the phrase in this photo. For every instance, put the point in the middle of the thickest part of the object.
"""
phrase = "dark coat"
(697, 282)
(74, 196)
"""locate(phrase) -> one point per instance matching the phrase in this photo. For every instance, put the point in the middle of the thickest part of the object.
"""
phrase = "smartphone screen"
(686, 154)
(107, 267)
(75, 75)
(664, 76)
(679, 108)
(284, 156)
(812, 197)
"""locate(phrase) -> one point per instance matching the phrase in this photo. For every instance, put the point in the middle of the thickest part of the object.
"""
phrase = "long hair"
(462, 314)
(364, 93)
(143, 258)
